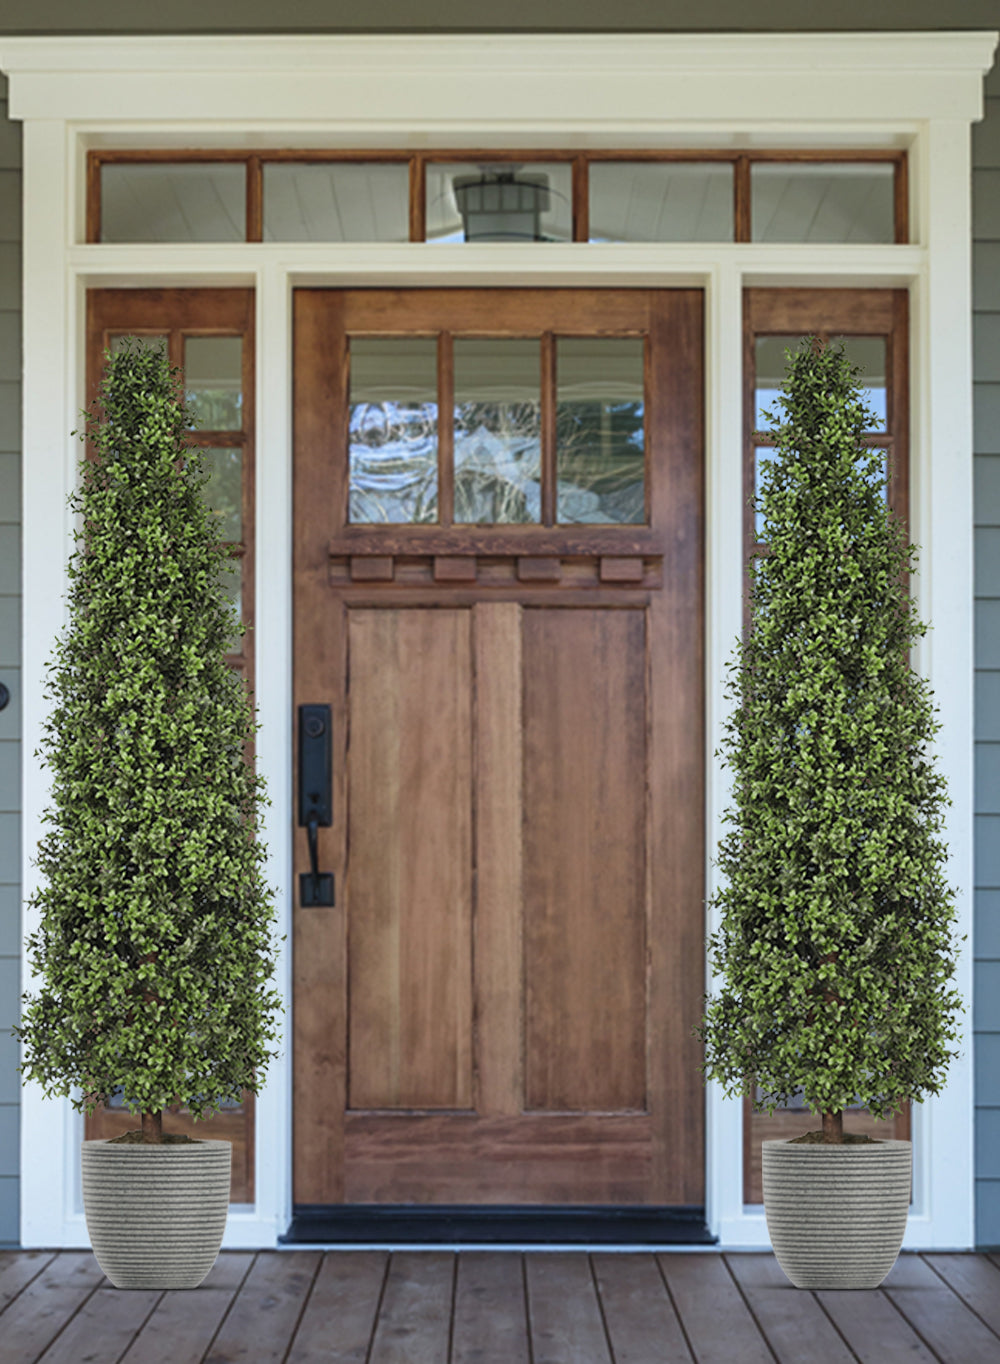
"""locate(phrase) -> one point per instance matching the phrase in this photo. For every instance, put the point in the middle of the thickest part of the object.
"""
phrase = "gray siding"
(10, 659)
(986, 443)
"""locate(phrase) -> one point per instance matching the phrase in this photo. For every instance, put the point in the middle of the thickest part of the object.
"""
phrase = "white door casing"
(920, 91)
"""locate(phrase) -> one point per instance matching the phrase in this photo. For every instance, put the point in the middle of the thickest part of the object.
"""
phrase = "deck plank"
(104, 1326)
(182, 1327)
(339, 1321)
(564, 1314)
(793, 1322)
(714, 1316)
(17, 1269)
(229, 1270)
(261, 1321)
(975, 1280)
(414, 1322)
(954, 1333)
(641, 1321)
(37, 1315)
(491, 1325)
(952, 1330)
(873, 1328)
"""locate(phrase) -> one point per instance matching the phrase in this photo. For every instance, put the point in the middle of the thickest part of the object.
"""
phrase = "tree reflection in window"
(498, 462)
(393, 430)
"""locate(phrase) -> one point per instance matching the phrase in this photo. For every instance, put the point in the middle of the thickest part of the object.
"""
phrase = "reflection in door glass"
(823, 202)
(497, 431)
(600, 441)
(504, 202)
(392, 425)
(665, 201)
(213, 381)
(183, 202)
(867, 352)
(224, 490)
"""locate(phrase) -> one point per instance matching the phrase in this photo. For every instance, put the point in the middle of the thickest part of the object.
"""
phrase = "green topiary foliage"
(154, 945)
(835, 946)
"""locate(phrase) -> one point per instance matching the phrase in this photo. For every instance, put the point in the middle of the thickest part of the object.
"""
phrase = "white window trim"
(914, 90)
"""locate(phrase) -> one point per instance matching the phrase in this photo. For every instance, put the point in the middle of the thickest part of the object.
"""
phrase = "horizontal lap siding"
(986, 443)
(10, 661)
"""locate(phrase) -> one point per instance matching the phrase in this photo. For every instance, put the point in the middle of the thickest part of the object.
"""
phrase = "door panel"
(499, 1008)
(584, 859)
(410, 859)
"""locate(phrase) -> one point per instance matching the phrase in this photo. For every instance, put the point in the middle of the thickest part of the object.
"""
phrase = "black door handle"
(315, 799)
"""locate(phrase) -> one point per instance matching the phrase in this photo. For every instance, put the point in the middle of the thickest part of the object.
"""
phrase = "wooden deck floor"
(432, 1307)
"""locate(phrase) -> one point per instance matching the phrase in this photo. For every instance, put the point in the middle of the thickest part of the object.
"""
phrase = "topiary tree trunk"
(154, 943)
(835, 942)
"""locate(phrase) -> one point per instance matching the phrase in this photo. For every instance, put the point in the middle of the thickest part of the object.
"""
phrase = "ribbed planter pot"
(836, 1214)
(156, 1214)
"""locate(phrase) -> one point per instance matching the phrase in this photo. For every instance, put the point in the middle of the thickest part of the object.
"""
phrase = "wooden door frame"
(362, 557)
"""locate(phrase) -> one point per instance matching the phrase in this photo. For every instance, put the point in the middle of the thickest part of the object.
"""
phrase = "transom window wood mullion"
(446, 429)
(901, 201)
(255, 200)
(581, 200)
(741, 199)
(548, 429)
(418, 199)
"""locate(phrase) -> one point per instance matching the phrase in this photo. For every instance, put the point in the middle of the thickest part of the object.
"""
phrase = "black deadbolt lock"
(315, 799)
(4, 696)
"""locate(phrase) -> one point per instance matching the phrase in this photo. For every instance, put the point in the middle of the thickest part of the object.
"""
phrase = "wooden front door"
(498, 502)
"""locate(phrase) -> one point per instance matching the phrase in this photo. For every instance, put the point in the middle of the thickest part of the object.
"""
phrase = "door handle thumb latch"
(315, 800)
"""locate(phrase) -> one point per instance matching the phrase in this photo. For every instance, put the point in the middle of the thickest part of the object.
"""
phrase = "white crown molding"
(464, 81)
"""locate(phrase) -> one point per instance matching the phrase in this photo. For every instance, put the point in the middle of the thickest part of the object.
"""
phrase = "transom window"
(509, 196)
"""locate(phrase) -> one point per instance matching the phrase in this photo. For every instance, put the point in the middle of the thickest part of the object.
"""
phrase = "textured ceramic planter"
(836, 1214)
(156, 1214)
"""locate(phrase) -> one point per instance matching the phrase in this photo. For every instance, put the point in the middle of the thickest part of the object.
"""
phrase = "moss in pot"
(835, 949)
(153, 947)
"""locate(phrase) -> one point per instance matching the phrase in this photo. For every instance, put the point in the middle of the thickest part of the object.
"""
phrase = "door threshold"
(492, 1225)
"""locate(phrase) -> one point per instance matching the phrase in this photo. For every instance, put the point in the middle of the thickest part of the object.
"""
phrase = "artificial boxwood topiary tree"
(835, 945)
(154, 944)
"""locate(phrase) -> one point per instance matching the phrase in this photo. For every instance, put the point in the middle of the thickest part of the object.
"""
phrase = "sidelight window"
(872, 325)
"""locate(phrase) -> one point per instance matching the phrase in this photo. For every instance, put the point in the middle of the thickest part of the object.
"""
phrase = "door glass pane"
(190, 202)
(822, 202)
(336, 202)
(502, 202)
(600, 440)
(224, 490)
(392, 424)
(867, 352)
(636, 201)
(497, 431)
(213, 381)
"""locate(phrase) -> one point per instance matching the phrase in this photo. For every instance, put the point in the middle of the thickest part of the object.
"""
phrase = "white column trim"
(941, 512)
(49, 455)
